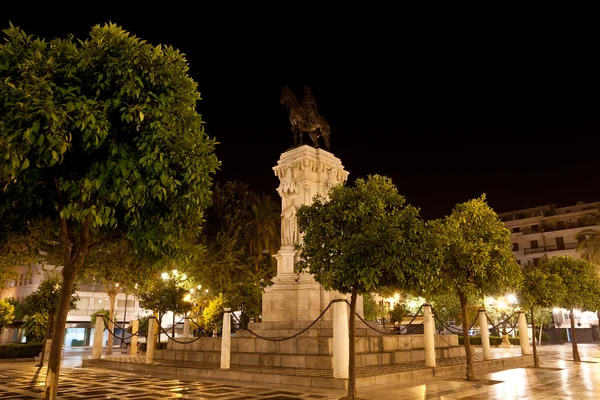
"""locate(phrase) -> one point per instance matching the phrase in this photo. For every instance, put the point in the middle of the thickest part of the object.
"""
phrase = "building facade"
(92, 298)
(552, 231)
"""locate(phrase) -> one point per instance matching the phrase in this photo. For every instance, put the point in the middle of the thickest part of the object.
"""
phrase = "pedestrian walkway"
(559, 378)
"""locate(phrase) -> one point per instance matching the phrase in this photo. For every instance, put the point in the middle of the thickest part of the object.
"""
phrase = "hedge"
(27, 350)
(494, 340)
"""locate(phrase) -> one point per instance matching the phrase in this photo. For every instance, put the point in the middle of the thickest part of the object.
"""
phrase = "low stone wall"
(310, 352)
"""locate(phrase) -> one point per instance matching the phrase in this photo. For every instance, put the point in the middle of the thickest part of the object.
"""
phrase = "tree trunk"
(112, 297)
(48, 330)
(69, 273)
(351, 345)
(574, 337)
(540, 339)
(465, 326)
(536, 360)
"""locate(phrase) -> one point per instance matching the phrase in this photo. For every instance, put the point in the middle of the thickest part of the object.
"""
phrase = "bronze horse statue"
(304, 117)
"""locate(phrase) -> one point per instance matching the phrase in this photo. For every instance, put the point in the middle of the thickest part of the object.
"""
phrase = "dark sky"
(447, 117)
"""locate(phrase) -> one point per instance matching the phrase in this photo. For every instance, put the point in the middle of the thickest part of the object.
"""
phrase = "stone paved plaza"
(559, 378)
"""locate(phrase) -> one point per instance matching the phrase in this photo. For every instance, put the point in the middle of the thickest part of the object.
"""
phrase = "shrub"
(545, 337)
(28, 350)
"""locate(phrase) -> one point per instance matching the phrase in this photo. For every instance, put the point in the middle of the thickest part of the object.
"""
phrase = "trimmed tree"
(581, 288)
(541, 289)
(100, 134)
(477, 259)
(7, 313)
(362, 239)
(41, 307)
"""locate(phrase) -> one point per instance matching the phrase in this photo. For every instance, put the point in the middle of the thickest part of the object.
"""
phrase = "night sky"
(446, 118)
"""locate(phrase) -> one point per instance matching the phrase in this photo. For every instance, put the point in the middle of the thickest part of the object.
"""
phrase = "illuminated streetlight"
(187, 297)
(192, 291)
(512, 299)
(174, 272)
(164, 275)
(199, 287)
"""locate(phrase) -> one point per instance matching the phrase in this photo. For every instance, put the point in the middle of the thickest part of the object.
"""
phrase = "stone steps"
(366, 376)
(310, 361)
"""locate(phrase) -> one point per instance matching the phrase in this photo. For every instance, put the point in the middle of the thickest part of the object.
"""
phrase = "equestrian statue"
(304, 117)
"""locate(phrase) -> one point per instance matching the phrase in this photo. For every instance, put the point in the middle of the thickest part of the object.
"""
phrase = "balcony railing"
(544, 249)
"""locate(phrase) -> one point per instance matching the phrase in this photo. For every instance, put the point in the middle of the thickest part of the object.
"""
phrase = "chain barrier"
(499, 323)
(123, 337)
(176, 340)
(452, 329)
(270, 339)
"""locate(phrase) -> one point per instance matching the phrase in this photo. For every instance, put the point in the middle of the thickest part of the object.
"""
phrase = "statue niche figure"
(305, 117)
(289, 224)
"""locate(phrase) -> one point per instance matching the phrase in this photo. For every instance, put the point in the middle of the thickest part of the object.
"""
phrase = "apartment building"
(552, 231)
(92, 298)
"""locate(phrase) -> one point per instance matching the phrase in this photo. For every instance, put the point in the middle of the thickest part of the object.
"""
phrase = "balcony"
(545, 249)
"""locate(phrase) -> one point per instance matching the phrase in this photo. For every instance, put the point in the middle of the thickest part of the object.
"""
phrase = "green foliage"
(580, 280)
(541, 287)
(477, 252)
(240, 226)
(545, 337)
(103, 131)
(365, 237)
(36, 326)
(28, 350)
(45, 299)
(397, 313)
(19, 308)
(213, 314)
(95, 314)
(371, 308)
(7, 313)
(163, 295)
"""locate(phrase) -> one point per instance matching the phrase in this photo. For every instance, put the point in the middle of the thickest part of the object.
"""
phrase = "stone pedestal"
(505, 342)
(304, 172)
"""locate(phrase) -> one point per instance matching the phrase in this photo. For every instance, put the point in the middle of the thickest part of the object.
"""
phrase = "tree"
(581, 288)
(110, 263)
(541, 288)
(264, 220)
(166, 293)
(7, 313)
(235, 262)
(364, 238)
(100, 133)
(477, 258)
(41, 306)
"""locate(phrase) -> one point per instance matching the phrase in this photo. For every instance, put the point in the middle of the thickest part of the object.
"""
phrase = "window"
(536, 261)
(560, 243)
(515, 246)
(121, 303)
(535, 228)
(516, 230)
(520, 262)
(534, 244)
(581, 238)
(560, 224)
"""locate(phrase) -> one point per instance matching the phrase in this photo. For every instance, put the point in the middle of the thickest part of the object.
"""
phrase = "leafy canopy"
(476, 251)
(365, 237)
(102, 133)
(580, 280)
(542, 287)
